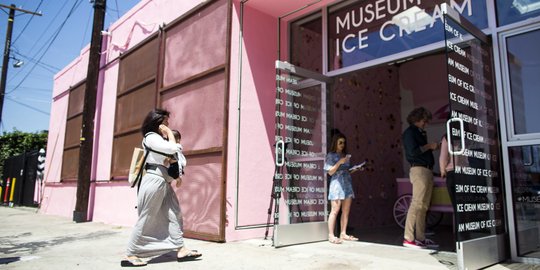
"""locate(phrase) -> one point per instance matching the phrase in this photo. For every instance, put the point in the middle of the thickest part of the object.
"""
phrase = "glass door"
(474, 144)
(521, 66)
(299, 180)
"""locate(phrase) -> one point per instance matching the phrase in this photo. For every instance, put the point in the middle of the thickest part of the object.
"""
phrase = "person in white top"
(159, 226)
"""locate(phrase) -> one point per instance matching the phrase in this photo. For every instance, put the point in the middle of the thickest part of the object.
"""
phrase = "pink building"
(252, 125)
(182, 56)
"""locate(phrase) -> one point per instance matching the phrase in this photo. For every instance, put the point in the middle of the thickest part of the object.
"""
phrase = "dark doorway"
(370, 107)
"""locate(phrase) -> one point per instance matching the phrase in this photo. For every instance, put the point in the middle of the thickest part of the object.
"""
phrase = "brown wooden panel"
(122, 152)
(131, 109)
(73, 132)
(197, 111)
(200, 195)
(70, 164)
(139, 66)
(188, 51)
(76, 100)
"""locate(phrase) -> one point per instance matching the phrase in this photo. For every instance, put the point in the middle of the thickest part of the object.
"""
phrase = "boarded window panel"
(76, 100)
(139, 66)
(188, 51)
(70, 160)
(136, 97)
(197, 111)
(70, 164)
(122, 152)
(73, 132)
(201, 194)
(131, 109)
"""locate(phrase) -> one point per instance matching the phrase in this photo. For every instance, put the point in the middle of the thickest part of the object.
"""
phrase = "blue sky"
(27, 103)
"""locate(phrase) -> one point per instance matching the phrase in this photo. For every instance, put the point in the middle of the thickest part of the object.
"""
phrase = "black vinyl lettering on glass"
(298, 125)
(479, 204)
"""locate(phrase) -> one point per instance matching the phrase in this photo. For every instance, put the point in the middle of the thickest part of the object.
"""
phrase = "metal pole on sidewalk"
(80, 214)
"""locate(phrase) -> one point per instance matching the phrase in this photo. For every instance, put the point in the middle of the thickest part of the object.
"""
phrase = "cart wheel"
(401, 207)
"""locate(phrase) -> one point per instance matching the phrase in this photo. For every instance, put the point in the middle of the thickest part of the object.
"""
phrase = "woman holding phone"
(340, 192)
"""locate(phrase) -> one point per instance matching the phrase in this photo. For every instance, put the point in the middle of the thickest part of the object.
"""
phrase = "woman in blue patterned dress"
(340, 192)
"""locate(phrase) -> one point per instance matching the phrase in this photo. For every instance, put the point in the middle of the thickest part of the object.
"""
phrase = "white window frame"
(514, 139)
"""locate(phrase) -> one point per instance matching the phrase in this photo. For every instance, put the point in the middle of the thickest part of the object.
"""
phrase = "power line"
(56, 16)
(35, 89)
(27, 23)
(48, 67)
(29, 107)
(75, 5)
(7, 50)
(48, 101)
(86, 29)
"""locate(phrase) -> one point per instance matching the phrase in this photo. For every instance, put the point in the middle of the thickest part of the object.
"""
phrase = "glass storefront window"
(524, 67)
(525, 175)
(366, 30)
(511, 11)
(306, 43)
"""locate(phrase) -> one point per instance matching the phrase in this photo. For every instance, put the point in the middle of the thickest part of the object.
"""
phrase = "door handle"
(449, 136)
(280, 153)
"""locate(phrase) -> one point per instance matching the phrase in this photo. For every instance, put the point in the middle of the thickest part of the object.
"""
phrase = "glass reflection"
(524, 65)
(306, 43)
(525, 175)
(516, 10)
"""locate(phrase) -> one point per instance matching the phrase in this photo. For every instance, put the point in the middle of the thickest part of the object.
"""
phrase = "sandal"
(348, 237)
(132, 262)
(334, 240)
(190, 256)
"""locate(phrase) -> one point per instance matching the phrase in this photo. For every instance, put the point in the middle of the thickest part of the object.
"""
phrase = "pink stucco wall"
(107, 107)
(248, 191)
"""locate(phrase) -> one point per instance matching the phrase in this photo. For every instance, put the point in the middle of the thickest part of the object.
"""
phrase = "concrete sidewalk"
(34, 241)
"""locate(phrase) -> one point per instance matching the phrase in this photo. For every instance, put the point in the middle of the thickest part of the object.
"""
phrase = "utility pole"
(80, 214)
(7, 49)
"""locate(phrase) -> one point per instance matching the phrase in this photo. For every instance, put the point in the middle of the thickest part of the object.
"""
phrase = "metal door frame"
(481, 252)
(291, 234)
